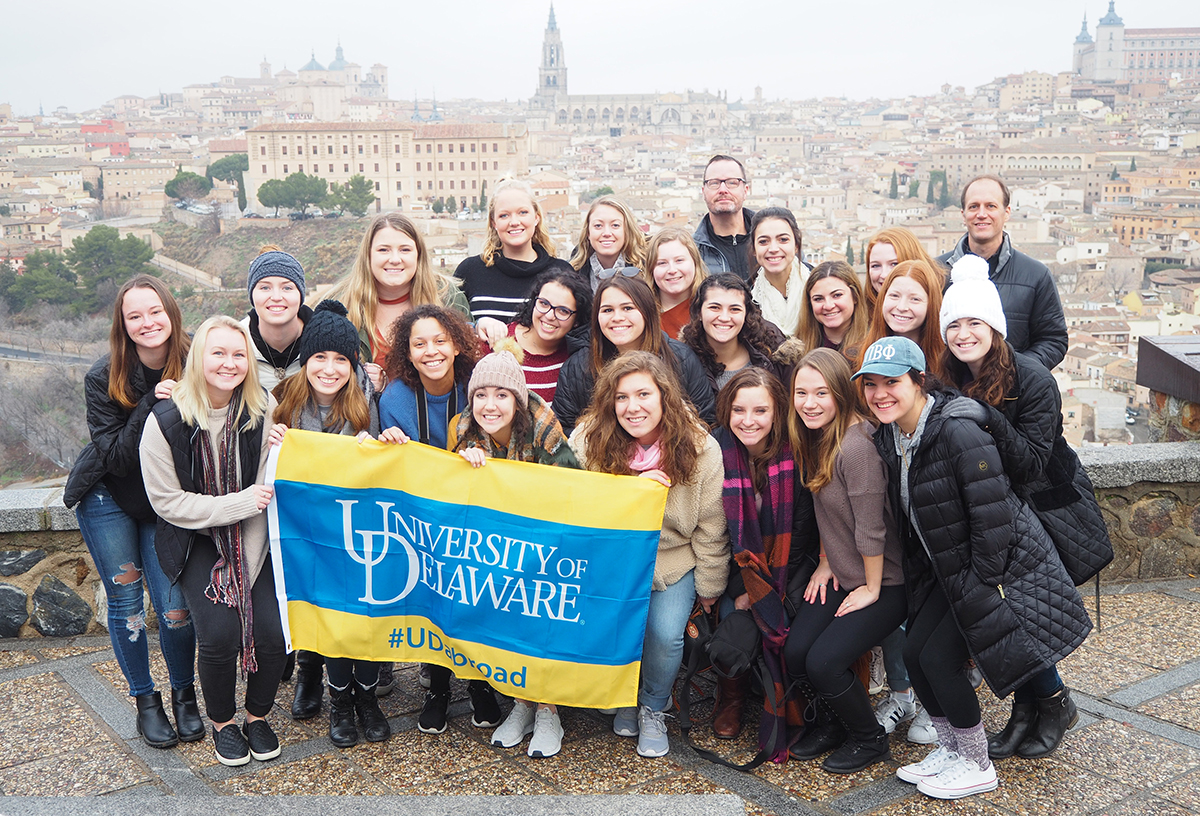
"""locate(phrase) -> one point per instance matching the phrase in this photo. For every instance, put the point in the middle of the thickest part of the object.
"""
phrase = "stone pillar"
(1173, 419)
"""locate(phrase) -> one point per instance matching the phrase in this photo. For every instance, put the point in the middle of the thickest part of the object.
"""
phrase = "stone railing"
(1150, 496)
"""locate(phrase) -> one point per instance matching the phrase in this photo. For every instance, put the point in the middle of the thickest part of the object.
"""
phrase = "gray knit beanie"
(275, 264)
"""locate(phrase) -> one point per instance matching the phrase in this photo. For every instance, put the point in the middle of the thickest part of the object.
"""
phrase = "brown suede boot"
(731, 698)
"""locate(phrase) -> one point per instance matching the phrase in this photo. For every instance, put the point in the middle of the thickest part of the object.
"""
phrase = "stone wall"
(1149, 494)
(1173, 419)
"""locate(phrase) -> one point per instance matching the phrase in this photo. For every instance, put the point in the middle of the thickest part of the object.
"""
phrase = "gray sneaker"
(516, 727)
(547, 734)
(625, 724)
(652, 733)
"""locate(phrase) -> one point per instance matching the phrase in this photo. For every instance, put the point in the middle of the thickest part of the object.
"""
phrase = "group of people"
(853, 462)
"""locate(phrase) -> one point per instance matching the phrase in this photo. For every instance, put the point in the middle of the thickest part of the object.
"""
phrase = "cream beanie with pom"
(972, 294)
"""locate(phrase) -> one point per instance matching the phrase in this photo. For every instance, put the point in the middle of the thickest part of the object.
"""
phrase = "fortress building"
(1120, 54)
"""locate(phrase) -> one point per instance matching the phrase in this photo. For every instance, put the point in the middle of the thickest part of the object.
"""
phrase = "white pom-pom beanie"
(972, 294)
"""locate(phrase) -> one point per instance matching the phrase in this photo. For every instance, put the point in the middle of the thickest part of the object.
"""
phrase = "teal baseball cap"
(892, 357)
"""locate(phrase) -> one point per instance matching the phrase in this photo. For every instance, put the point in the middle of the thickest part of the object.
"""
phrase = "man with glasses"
(724, 232)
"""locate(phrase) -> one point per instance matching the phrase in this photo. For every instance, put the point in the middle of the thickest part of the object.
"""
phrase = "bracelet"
(822, 555)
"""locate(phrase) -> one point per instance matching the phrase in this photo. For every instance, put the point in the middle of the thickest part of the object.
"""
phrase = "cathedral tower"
(552, 75)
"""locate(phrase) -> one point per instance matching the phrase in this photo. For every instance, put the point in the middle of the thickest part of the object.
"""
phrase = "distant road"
(13, 353)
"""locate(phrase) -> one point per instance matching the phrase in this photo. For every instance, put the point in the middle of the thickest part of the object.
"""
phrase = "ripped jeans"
(123, 549)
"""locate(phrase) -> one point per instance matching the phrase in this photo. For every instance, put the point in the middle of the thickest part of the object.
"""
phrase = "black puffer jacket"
(1032, 309)
(112, 455)
(1011, 597)
(575, 385)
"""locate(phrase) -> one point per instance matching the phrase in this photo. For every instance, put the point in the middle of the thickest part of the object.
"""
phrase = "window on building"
(285, 168)
(495, 165)
(397, 148)
(377, 186)
(440, 166)
(264, 169)
(472, 147)
(495, 147)
(428, 167)
(472, 165)
(285, 150)
(417, 148)
(418, 185)
(345, 149)
(397, 185)
(345, 168)
(360, 168)
(331, 168)
(262, 151)
(462, 148)
(473, 184)
(397, 167)
(314, 150)
(439, 148)
(375, 149)
(483, 148)
(441, 185)
(360, 150)
(330, 150)
(376, 167)
(462, 165)
(451, 148)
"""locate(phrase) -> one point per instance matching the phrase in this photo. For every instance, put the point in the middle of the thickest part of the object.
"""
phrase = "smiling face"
(619, 319)
(639, 407)
(394, 258)
(883, 259)
(327, 372)
(549, 327)
(985, 213)
(226, 360)
(725, 200)
(514, 219)
(146, 321)
(723, 314)
(969, 340)
(276, 301)
(674, 272)
(494, 408)
(905, 305)
(606, 233)
(751, 416)
(432, 352)
(774, 246)
(894, 399)
(813, 399)
(832, 304)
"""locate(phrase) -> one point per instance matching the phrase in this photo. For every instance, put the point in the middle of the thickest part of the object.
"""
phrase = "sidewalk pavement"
(67, 729)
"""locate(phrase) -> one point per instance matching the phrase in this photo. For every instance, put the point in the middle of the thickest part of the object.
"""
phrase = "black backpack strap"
(685, 720)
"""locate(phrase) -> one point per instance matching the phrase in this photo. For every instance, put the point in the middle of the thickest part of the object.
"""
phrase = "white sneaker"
(921, 730)
(960, 777)
(652, 733)
(625, 723)
(517, 726)
(547, 734)
(929, 767)
(878, 673)
(895, 709)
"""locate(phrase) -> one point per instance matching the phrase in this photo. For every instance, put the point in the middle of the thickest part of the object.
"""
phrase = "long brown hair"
(349, 406)
(929, 278)
(997, 372)
(609, 444)
(652, 340)
(123, 351)
(754, 377)
(754, 333)
(816, 452)
(634, 249)
(812, 333)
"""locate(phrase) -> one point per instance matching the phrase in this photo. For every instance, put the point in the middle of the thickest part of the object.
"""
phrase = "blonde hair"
(634, 249)
(666, 236)
(541, 236)
(249, 401)
(357, 289)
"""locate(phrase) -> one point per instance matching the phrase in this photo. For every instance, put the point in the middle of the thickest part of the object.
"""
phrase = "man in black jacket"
(723, 233)
(1034, 313)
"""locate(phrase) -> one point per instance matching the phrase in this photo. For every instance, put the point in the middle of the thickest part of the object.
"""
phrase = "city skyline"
(831, 54)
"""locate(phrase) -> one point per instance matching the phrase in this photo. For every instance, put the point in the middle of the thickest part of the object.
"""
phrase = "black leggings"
(219, 638)
(343, 669)
(935, 653)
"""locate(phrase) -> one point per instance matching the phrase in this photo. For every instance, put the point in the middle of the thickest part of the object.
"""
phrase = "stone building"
(1120, 54)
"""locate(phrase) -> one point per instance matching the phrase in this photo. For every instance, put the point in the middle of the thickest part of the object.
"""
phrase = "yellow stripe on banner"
(556, 495)
(410, 638)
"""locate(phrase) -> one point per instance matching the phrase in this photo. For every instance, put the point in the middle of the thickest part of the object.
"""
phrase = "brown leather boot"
(731, 698)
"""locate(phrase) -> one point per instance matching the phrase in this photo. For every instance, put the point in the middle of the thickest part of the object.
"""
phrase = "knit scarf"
(228, 583)
(761, 542)
(642, 459)
(783, 311)
(545, 435)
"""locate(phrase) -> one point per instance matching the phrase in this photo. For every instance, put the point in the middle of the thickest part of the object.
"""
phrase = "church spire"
(1084, 37)
(553, 24)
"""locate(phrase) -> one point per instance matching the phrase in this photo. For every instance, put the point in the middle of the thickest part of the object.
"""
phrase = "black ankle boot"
(1020, 724)
(858, 754)
(152, 722)
(342, 731)
(374, 723)
(187, 714)
(1055, 714)
(825, 734)
(867, 742)
(309, 686)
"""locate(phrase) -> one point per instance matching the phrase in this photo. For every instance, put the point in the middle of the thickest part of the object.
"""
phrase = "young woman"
(625, 318)
(518, 248)
(639, 424)
(391, 276)
(833, 315)
(886, 249)
(147, 351)
(773, 536)
(973, 552)
(727, 331)
(203, 454)
(860, 554)
(507, 420)
(1024, 415)
(674, 271)
(908, 305)
(543, 329)
(333, 394)
(427, 368)
(277, 314)
(610, 242)
(778, 285)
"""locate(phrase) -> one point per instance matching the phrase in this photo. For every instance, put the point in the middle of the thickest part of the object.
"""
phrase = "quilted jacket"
(1018, 610)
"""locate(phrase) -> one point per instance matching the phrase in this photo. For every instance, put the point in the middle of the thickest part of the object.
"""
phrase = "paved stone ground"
(67, 729)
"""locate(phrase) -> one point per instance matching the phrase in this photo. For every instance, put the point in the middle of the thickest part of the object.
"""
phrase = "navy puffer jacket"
(1009, 593)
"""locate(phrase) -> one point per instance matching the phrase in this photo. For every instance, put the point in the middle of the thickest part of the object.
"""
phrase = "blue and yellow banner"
(536, 579)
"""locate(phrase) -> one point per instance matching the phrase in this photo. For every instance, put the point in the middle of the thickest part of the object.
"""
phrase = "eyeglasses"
(730, 183)
(543, 306)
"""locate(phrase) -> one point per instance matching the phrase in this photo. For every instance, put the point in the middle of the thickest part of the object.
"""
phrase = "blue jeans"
(662, 650)
(893, 660)
(1045, 683)
(123, 550)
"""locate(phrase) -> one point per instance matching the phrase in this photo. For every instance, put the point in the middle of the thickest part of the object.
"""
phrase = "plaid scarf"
(761, 542)
(228, 581)
(545, 434)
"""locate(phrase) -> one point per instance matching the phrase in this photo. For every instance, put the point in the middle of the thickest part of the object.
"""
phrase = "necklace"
(396, 301)
(287, 355)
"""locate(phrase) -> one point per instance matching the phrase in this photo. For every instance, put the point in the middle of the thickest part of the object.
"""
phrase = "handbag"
(735, 645)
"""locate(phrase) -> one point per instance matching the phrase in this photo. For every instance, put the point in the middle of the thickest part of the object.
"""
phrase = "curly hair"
(817, 451)
(753, 334)
(634, 249)
(652, 340)
(997, 372)
(398, 364)
(573, 282)
(682, 436)
(777, 437)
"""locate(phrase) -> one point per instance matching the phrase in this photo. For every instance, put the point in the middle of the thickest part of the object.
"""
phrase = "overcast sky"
(80, 54)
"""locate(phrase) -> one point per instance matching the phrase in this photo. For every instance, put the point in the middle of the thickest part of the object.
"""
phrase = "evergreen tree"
(849, 252)
(929, 191)
(483, 197)
(273, 193)
(103, 260)
(1133, 165)
(187, 186)
(944, 198)
(439, 206)
(355, 196)
(232, 168)
(451, 205)
(914, 187)
(894, 190)
(1114, 175)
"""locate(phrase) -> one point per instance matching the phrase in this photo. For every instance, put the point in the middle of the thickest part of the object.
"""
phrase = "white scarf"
(784, 312)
